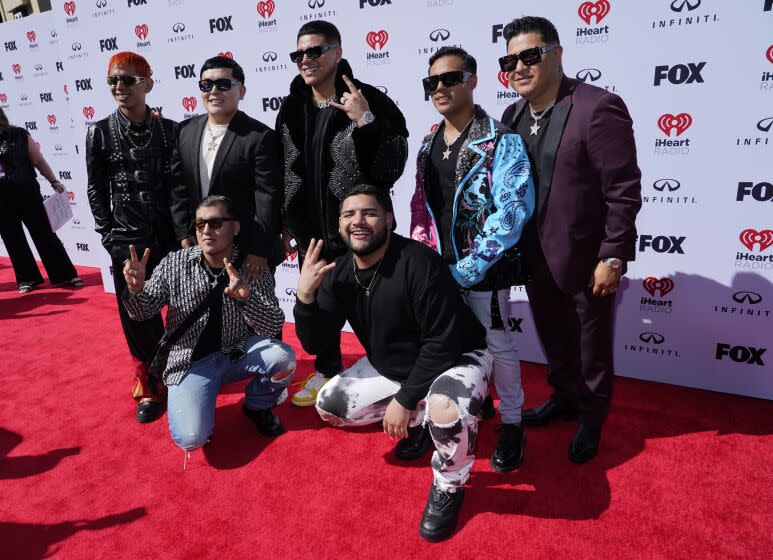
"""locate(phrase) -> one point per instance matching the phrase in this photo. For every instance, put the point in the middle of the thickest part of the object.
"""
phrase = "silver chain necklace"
(214, 140)
(535, 127)
(324, 103)
(447, 153)
(369, 286)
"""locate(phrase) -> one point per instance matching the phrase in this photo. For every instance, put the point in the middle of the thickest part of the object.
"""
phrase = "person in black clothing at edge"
(23, 204)
(128, 164)
(336, 132)
(426, 369)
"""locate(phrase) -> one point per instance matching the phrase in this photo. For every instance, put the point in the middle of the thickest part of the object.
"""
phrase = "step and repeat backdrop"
(697, 75)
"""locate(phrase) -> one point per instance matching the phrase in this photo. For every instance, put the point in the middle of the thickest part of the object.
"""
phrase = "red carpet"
(682, 473)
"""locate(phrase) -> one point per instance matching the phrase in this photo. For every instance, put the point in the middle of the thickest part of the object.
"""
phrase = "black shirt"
(441, 187)
(414, 325)
(210, 340)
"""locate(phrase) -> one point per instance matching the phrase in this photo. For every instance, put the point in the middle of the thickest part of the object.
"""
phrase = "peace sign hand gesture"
(354, 103)
(313, 271)
(237, 288)
(134, 270)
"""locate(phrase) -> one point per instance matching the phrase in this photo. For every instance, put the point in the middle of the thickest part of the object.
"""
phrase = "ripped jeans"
(191, 404)
(360, 395)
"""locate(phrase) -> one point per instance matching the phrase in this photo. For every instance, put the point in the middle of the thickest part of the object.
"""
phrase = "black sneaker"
(508, 454)
(415, 445)
(438, 521)
(149, 411)
(266, 421)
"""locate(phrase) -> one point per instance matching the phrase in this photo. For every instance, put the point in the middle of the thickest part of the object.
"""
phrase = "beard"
(377, 240)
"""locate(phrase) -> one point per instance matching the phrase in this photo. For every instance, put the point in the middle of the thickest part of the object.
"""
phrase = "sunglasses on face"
(214, 223)
(222, 84)
(449, 79)
(529, 57)
(311, 52)
(125, 80)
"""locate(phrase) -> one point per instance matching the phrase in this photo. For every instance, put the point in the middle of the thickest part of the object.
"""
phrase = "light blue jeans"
(191, 404)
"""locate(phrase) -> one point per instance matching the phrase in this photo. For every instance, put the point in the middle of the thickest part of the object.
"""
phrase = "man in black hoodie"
(336, 132)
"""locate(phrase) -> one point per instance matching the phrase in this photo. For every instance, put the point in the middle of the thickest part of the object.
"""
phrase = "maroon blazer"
(590, 184)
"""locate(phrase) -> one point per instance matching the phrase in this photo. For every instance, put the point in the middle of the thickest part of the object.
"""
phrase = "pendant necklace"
(214, 140)
(369, 286)
(447, 153)
(535, 127)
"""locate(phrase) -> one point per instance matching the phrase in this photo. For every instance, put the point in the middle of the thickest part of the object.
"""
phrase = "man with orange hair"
(128, 160)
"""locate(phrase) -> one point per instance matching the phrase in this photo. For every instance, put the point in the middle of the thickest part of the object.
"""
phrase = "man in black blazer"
(228, 153)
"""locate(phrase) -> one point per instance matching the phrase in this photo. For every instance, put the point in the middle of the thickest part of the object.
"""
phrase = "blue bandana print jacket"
(494, 198)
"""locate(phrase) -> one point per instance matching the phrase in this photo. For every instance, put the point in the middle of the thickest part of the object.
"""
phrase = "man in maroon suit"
(580, 141)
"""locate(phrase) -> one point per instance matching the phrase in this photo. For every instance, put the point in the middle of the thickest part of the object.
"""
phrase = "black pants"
(576, 332)
(23, 204)
(329, 362)
(141, 336)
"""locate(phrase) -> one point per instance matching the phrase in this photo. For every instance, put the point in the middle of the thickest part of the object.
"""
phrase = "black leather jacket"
(129, 182)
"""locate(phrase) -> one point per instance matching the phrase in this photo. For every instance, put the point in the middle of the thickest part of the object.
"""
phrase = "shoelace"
(309, 378)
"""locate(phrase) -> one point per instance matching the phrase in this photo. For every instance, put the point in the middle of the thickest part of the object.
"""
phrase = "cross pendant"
(211, 145)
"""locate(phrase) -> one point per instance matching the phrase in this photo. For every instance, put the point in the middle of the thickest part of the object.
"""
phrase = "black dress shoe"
(438, 521)
(267, 422)
(415, 445)
(546, 413)
(585, 444)
(508, 454)
(487, 409)
(148, 411)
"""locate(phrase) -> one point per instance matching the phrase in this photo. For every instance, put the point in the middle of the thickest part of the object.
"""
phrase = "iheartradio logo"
(16, 68)
(265, 9)
(433, 128)
(3, 98)
(227, 54)
(502, 77)
(291, 256)
(69, 8)
(52, 119)
(599, 10)
(88, 112)
(769, 54)
(141, 31)
(680, 122)
(70, 196)
(379, 38)
(652, 285)
(189, 103)
(752, 237)
(31, 36)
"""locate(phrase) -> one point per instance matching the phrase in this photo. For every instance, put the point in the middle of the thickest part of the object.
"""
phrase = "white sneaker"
(311, 386)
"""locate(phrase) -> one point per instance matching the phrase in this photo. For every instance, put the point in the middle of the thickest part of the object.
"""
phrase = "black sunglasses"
(125, 80)
(529, 57)
(449, 79)
(214, 223)
(222, 84)
(311, 52)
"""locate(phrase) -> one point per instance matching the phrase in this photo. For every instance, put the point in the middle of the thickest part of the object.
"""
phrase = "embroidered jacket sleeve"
(98, 189)
(261, 311)
(512, 194)
(155, 293)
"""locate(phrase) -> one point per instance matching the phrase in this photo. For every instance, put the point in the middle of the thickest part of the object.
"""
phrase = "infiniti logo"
(291, 292)
(178, 27)
(439, 35)
(586, 74)
(38, 67)
(747, 297)
(655, 338)
(765, 124)
(101, 3)
(76, 46)
(269, 56)
(23, 97)
(53, 33)
(314, 4)
(679, 5)
(670, 184)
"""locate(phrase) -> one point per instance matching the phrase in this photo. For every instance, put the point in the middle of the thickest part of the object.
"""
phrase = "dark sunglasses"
(311, 52)
(222, 84)
(529, 57)
(214, 223)
(449, 79)
(125, 80)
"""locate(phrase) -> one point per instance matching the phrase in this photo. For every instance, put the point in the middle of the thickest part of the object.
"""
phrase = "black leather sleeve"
(98, 187)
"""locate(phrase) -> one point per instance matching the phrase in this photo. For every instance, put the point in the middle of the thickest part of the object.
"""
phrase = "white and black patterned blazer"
(181, 282)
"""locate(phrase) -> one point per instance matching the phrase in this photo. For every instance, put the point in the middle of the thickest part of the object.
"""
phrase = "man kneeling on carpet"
(427, 368)
(218, 327)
